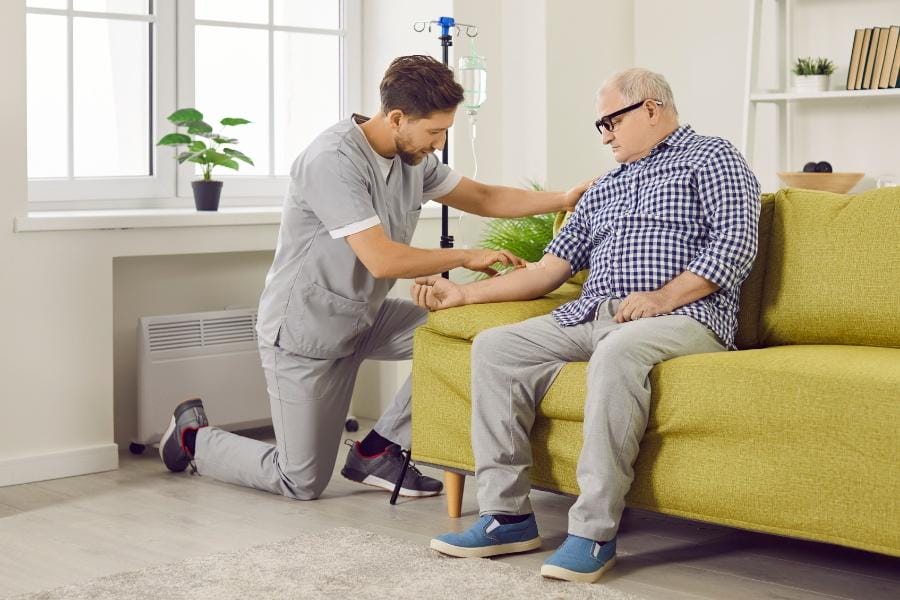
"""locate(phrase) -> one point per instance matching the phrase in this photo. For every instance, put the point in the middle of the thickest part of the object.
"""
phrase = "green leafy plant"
(203, 143)
(813, 66)
(525, 237)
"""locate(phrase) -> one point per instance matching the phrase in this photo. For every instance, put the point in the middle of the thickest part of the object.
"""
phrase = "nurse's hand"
(573, 195)
(481, 260)
(436, 293)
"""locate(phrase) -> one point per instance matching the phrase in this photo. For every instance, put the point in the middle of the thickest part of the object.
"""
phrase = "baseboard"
(68, 463)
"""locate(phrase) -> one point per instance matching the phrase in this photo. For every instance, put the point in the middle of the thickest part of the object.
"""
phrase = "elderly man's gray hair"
(640, 84)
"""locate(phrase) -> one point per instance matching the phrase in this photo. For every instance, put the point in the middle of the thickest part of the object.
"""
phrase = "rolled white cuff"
(354, 227)
(444, 187)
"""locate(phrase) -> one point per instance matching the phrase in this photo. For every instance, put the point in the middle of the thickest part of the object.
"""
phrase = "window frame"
(101, 192)
(172, 86)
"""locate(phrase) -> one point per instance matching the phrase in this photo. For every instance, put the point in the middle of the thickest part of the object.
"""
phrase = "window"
(102, 79)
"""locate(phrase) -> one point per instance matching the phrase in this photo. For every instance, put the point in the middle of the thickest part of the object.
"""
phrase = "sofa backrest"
(832, 269)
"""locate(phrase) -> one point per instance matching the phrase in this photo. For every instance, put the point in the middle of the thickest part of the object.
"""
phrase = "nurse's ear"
(394, 118)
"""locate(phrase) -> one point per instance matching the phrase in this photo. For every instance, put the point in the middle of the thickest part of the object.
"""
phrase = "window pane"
(323, 14)
(131, 7)
(240, 11)
(47, 96)
(58, 4)
(307, 92)
(231, 77)
(111, 97)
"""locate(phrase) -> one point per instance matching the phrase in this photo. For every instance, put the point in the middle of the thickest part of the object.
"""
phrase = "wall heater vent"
(209, 355)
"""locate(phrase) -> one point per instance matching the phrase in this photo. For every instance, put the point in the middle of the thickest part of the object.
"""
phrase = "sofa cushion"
(833, 269)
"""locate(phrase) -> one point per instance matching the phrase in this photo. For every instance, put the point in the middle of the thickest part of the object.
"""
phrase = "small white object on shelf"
(810, 83)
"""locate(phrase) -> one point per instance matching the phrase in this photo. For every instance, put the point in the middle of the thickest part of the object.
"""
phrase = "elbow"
(386, 268)
(380, 271)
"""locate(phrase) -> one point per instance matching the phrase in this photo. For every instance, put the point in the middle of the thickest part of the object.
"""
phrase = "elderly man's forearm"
(522, 284)
(686, 288)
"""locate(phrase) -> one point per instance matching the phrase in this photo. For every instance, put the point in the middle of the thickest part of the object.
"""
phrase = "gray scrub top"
(319, 296)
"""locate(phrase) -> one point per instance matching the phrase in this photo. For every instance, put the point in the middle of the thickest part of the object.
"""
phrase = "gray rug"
(339, 563)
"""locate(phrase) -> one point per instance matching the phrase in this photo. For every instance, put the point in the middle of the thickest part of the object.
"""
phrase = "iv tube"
(473, 79)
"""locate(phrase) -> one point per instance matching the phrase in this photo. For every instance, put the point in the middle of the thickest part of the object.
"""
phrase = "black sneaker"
(383, 470)
(172, 450)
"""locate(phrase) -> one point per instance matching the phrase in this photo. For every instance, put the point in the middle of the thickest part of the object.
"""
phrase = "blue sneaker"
(488, 537)
(580, 559)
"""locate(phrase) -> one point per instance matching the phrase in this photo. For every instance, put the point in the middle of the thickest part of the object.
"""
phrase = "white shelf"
(789, 96)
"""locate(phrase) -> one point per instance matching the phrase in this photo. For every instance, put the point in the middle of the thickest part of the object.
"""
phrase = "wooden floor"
(72, 530)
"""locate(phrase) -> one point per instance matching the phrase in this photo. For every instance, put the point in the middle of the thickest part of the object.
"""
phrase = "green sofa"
(797, 433)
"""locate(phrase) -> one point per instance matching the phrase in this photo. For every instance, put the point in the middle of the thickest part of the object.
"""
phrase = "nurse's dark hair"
(419, 86)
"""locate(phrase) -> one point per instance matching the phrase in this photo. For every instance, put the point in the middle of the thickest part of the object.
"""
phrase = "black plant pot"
(206, 194)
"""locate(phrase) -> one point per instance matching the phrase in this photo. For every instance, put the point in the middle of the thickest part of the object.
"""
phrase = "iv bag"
(473, 79)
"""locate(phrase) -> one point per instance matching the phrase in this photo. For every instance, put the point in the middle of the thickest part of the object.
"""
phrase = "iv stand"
(446, 41)
(446, 23)
(446, 38)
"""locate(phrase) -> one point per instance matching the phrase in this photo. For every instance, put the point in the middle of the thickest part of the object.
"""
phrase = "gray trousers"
(514, 366)
(309, 399)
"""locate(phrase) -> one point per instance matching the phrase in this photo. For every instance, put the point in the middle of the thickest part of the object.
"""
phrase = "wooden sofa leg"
(454, 483)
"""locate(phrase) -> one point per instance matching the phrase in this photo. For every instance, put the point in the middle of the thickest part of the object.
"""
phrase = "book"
(863, 58)
(870, 59)
(894, 79)
(854, 57)
(879, 58)
(890, 50)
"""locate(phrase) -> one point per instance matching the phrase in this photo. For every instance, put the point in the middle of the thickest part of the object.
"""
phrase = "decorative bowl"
(839, 183)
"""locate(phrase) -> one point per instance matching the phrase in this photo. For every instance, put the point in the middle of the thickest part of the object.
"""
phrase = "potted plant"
(812, 74)
(526, 237)
(203, 148)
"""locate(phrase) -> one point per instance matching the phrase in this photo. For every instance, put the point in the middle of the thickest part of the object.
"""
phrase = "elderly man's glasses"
(607, 121)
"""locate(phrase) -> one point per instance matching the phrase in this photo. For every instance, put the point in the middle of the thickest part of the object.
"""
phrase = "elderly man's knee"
(614, 353)
(490, 344)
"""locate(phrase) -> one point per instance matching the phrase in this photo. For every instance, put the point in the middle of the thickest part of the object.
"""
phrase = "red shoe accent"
(184, 444)
(358, 447)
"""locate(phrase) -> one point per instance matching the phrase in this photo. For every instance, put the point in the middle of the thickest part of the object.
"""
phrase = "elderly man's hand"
(643, 304)
(436, 293)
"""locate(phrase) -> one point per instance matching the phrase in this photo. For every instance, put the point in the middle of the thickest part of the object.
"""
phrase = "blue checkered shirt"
(691, 204)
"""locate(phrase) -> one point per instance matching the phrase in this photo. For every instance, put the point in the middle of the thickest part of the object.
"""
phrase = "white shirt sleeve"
(443, 188)
(354, 227)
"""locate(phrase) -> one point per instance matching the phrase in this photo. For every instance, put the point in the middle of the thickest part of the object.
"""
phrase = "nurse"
(354, 199)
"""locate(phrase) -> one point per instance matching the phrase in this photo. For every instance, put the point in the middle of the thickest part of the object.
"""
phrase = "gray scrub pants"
(309, 399)
(513, 367)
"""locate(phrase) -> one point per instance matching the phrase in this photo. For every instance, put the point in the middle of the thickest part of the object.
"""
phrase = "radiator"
(208, 355)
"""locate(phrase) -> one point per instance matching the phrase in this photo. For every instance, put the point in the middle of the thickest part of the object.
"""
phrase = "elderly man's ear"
(654, 110)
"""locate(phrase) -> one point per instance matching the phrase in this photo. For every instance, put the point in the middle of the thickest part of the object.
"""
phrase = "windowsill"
(144, 218)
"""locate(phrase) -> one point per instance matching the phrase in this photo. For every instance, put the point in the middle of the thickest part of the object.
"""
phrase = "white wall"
(701, 48)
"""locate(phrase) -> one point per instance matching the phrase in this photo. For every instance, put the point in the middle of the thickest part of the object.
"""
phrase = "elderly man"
(668, 236)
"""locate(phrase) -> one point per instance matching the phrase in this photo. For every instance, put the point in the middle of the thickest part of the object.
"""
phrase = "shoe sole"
(557, 572)
(164, 440)
(387, 486)
(170, 431)
(485, 551)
